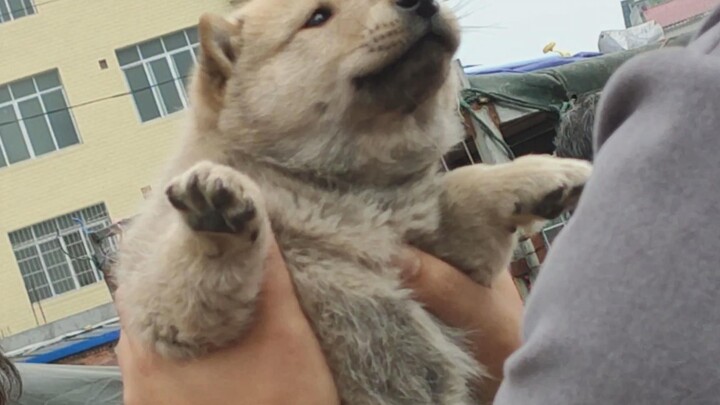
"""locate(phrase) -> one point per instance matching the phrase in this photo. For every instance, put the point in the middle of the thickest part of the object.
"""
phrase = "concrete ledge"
(58, 328)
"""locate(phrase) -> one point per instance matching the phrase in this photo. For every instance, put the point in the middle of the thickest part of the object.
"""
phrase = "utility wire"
(91, 102)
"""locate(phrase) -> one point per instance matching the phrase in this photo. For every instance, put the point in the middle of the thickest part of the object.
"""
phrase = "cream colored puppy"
(323, 123)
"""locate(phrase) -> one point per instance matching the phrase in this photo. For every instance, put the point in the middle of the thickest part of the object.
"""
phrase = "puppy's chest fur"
(362, 226)
(339, 244)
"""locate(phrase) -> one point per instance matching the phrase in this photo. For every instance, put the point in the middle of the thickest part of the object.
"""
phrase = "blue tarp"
(72, 346)
(529, 65)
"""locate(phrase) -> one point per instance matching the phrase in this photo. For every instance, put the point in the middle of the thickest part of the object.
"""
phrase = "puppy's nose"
(423, 8)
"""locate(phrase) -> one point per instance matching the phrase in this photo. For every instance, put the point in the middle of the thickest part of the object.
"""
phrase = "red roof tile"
(677, 11)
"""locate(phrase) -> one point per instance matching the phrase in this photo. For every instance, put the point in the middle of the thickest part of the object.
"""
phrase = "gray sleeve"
(627, 307)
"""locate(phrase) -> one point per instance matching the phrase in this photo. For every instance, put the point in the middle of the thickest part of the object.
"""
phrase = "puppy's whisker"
(459, 6)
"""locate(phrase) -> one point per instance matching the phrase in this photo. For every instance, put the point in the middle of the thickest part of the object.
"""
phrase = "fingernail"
(409, 264)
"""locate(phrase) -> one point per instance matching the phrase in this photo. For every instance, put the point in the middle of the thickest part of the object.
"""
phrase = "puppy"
(322, 123)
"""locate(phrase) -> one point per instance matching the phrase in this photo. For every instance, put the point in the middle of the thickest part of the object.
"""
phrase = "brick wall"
(101, 356)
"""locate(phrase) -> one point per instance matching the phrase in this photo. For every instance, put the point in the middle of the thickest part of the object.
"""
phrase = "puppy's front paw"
(217, 199)
(557, 188)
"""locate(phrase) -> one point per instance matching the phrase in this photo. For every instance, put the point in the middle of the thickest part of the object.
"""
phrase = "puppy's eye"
(318, 18)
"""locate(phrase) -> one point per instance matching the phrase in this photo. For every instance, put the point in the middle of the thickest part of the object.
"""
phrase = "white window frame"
(88, 224)
(152, 80)
(5, 18)
(559, 222)
(470, 159)
(15, 104)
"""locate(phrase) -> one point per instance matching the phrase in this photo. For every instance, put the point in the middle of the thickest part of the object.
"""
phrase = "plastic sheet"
(54, 384)
(632, 38)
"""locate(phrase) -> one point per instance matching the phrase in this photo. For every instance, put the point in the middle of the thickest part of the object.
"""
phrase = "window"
(553, 228)
(463, 154)
(156, 71)
(14, 9)
(55, 256)
(34, 118)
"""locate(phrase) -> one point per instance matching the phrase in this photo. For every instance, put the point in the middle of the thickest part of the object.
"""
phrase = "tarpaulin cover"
(631, 38)
(550, 89)
(55, 384)
(529, 65)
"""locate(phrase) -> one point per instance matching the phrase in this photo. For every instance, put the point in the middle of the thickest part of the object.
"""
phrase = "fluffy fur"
(329, 136)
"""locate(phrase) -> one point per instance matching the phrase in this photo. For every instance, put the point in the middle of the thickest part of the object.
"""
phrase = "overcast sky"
(519, 29)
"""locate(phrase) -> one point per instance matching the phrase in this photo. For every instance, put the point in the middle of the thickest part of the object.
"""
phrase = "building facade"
(92, 95)
(677, 17)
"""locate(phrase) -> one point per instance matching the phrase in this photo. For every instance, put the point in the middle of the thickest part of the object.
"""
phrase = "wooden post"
(491, 153)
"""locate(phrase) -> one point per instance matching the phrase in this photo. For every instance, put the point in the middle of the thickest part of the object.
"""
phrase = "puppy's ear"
(220, 43)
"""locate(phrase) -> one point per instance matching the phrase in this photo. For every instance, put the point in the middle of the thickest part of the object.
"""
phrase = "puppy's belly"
(382, 346)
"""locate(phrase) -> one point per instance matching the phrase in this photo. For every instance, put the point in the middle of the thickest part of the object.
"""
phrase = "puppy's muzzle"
(423, 8)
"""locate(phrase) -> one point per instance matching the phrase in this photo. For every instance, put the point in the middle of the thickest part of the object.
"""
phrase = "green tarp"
(551, 89)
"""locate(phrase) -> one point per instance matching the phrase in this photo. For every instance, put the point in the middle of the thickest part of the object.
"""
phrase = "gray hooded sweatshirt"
(627, 306)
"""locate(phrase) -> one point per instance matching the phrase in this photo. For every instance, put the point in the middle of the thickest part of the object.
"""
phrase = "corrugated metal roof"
(677, 11)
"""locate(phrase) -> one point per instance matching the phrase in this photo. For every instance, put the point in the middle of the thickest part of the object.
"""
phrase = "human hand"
(278, 361)
(491, 315)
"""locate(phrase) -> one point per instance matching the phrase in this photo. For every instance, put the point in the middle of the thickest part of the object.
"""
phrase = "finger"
(121, 353)
(448, 293)
(278, 309)
(119, 308)
(131, 359)
(491, 316)
(505, 286)
(461, 302)
(277, 289)
(277, 281)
